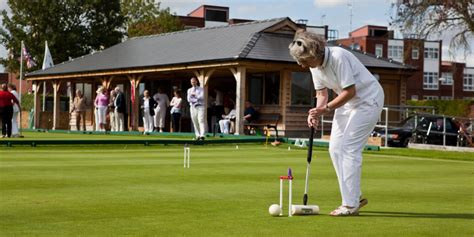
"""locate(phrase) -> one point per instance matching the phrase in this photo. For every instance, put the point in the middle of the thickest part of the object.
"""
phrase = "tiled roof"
(222, 43)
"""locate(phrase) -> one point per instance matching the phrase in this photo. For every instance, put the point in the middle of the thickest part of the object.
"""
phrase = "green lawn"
(145, 191)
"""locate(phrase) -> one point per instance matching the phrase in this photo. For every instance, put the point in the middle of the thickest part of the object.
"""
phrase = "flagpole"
(21, 82)
(44, 84)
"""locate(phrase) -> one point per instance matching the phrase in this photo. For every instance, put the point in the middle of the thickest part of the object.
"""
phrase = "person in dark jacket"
(120, 109)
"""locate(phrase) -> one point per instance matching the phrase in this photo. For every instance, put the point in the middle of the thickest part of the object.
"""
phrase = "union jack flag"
(29, 60)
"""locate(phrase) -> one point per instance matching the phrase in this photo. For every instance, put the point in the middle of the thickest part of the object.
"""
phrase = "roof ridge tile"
(249, 46)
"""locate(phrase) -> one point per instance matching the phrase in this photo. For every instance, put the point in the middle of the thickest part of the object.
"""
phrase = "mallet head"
(301, 210)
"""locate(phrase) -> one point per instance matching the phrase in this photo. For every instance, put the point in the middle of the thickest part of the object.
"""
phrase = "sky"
(334, 13)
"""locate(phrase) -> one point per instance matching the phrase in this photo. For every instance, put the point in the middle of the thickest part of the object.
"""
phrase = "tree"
(144, 17)
(72, 28)
(434, 17)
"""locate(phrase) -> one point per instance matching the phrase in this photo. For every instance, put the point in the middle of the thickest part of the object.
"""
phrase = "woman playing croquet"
(357, 107)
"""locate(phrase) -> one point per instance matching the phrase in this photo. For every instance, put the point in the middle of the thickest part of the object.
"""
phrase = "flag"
(47, 63)
(29, 60)
(47, 60)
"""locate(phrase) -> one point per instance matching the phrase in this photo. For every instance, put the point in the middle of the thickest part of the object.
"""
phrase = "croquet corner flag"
(47, 60)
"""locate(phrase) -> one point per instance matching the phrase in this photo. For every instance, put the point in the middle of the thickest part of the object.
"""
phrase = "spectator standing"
(113, 121)
(163, 102)
(148, 105)
(101, 103)
(196, 101)
(176, 104)
(79, 106)
(219, 104)
(7, 100)
(16, 110)
(211, 119)
(119, 111)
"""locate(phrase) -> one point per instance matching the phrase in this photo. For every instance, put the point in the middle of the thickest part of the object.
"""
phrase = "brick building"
(434, 78)
(211, 15)
(12, 78)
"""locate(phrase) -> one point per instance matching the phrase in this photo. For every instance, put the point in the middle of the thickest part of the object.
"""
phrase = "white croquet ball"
(274, 210)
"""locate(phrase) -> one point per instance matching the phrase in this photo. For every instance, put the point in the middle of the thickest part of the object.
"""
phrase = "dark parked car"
(406, 131)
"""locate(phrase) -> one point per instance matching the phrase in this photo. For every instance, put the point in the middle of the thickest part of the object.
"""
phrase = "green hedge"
(27, 102)
(447, 107)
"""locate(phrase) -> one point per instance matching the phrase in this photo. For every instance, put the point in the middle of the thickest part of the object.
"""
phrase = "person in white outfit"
(163, 102)
(16, 111)
(196, 101)
(357, 106)
(148, 104)
(224, 123)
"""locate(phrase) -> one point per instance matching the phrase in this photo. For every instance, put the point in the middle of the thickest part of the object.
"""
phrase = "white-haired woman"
(357, 106)
(101, 103)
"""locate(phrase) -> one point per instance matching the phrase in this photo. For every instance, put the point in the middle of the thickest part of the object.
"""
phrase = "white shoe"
(345, 211)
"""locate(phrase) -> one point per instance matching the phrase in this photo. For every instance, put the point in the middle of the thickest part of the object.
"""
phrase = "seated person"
(224, 123)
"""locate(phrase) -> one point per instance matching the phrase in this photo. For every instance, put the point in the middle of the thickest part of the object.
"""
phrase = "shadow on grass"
(417, 215)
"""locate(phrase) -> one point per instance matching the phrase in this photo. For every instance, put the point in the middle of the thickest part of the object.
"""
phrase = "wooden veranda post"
(134, 100)
(36, 104)
(240, 78)
(56, 103)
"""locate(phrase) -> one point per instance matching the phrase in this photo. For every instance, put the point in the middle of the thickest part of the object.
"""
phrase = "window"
(395, 51)
(468, 84)
(216, 15)
(446, 97)
(415, 53)
(430, 80)
(302, 88)
(447, 78)
(431, 53)
(264, 88)
(355, 46)
(379, 50)
(430, 97)
(414, 97)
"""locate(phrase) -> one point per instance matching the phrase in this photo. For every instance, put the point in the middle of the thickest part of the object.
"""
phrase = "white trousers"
(147, 121)
(102, 111)
(351, 128)
(119, 121)
(96, 113)
(160, 115)
(113, 121)
(15, 124)
(224, 125)
(197, 116)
